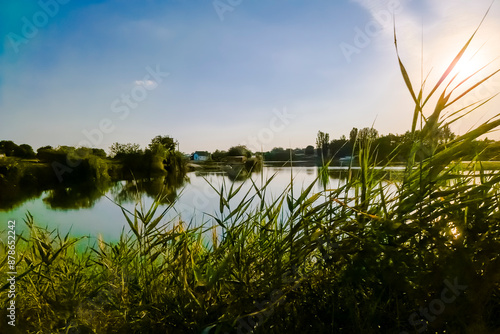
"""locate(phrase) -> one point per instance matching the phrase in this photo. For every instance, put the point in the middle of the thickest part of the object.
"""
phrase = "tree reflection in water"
(165, 187)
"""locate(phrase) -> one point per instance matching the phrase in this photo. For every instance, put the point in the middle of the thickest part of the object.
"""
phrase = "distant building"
(200, 156)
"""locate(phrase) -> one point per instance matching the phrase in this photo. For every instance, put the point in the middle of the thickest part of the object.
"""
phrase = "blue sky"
(214, 74)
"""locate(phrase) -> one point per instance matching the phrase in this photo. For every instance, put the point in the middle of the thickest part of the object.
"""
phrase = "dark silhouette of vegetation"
(167, 142)
(309, 150)
(10, 149)
(322, 142)
(117, 150)
(219, 155)
(239, 150)
(280, 154)
(86, 172)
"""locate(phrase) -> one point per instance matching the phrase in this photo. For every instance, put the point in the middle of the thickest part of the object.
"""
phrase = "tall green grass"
(357, 257)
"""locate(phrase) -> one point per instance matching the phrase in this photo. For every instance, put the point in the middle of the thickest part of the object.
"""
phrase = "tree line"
(396, 147)
(68, 164)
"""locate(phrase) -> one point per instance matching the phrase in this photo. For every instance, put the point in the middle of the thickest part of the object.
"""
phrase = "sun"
(474, 66)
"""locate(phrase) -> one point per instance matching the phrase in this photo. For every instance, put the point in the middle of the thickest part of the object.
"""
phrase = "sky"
(217, 73)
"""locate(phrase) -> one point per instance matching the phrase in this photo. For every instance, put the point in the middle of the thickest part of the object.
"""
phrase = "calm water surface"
(93, 212)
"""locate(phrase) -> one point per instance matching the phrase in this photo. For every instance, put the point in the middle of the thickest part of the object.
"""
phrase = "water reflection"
(327, 174)
(164, 187)
(81, 196)
(13, 195)
(194, 194)
(86, 195)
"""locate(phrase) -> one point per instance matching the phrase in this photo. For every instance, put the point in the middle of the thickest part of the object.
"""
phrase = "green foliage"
(99, 152)
(117, 149)
(25, 151)
(369, 134)
(280, 154)
(219, 155)
(322, 142)
(10, 149)
(167, 142)
(239, 150)
(159, 158)
(340, 148)
(309, 150)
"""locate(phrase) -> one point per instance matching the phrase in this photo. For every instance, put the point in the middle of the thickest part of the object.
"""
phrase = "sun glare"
(475, 66)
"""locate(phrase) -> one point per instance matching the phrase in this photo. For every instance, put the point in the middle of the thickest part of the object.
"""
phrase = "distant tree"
(25, 151)
(445, 135)
(279, 154)
(118, 149)
(45, 153)
(65, 149)
(239, 150)
(219, 155)
(322, 143)
(99, 152)
(167, 142)
(352, 136)
(386, 147)
(298, 150)
(83, 152)
(8, 147)
(367, 134)
(340, 148)
(309, 150)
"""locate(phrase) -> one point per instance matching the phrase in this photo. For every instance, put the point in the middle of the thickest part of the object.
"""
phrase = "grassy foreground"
(361, 258)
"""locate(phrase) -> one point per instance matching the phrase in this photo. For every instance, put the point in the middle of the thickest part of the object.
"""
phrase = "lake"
(96, 210)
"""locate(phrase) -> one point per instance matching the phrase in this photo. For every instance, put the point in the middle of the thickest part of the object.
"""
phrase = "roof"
(201, 153)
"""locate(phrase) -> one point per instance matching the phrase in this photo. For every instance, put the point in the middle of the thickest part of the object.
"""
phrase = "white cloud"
(146, 83)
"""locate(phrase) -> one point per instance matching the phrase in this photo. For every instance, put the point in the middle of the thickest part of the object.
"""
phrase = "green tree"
(219, 155)
(99, 152)
(322, 143)
(25, 151)
(340, 148)
(239, 150)
(45, 153)
(167, 142)
(280, 154)
(309, 150)
(8, 147)
(445, 135)
(118, 149)
(367, 134)
(352, 136)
